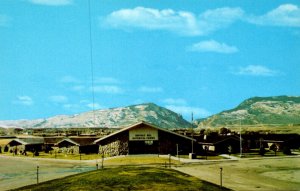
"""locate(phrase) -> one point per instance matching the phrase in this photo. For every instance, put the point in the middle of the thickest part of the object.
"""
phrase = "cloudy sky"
(197, 56)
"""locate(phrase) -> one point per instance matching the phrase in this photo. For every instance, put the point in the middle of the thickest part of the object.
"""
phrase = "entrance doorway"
(143, 147)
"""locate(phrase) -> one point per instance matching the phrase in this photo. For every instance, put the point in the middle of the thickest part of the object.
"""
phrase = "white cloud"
(109, 89)
(212, 46)
(58, 99)
(24, 100)
(219, 18)
(172, 101)
(146, 89)
(256, 70)
(52, 2)
(187, 111)
(180, 22)
(284, 15)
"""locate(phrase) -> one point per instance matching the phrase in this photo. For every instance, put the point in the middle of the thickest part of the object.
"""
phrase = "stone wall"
(115, 148)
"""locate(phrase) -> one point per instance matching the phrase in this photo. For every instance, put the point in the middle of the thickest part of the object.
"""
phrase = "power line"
(92, 64)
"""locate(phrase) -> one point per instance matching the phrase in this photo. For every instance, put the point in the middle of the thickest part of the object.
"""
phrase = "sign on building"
(143, 134)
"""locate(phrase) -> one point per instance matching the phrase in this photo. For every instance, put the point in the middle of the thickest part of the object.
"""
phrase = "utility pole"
(192, 133)
(241, 146)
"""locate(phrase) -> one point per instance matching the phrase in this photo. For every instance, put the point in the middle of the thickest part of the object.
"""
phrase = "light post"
(37, 174)
(221, 170)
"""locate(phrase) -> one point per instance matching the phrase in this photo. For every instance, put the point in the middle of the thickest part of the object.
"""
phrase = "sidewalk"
(186, 161)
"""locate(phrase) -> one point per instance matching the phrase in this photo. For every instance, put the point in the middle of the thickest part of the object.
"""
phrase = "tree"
(224, 131)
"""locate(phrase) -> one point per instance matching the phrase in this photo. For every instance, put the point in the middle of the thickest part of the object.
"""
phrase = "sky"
(60, 57)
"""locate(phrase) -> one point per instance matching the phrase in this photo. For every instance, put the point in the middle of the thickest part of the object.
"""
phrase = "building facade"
(144, 138)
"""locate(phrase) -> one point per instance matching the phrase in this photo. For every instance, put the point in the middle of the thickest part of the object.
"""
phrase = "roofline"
(69, 140)
(19, 141)
(139, 123)
(217, 142)
(24, 142)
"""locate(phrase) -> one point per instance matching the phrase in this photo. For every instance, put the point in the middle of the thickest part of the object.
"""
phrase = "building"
(4, 140)
(144, 138)
(221, 144)
(79, 144)
(26, 144)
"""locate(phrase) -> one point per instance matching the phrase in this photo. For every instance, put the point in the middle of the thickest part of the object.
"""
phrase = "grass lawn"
(123, 160)
(127, 178)
(139, 160)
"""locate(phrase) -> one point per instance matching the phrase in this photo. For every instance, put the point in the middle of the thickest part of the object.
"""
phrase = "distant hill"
(281, 110)
(108, 118)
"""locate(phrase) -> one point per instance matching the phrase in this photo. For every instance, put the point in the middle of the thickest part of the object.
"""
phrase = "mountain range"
(108, 118)
(278, 110)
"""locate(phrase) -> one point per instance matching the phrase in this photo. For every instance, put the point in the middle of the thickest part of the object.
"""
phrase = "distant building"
(27, 144)
(221, 144)
(79, 144)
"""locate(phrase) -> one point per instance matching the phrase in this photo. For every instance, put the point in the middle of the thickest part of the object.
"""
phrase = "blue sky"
(197, 56)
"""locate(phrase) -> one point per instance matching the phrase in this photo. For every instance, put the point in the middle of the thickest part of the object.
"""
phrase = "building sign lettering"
(143, 134)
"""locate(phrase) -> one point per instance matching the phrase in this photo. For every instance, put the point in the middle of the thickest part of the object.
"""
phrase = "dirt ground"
(250, 174)
(16, 172)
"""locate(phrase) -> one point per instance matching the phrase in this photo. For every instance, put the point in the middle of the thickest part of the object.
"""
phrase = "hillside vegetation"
(280, 110)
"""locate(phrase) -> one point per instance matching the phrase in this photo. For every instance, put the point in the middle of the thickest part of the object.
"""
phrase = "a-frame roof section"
(222, 139)
(67, 140)
(140, 123)
(18, 141)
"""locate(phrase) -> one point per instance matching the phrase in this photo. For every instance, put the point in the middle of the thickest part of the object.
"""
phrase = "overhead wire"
(92, 63)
